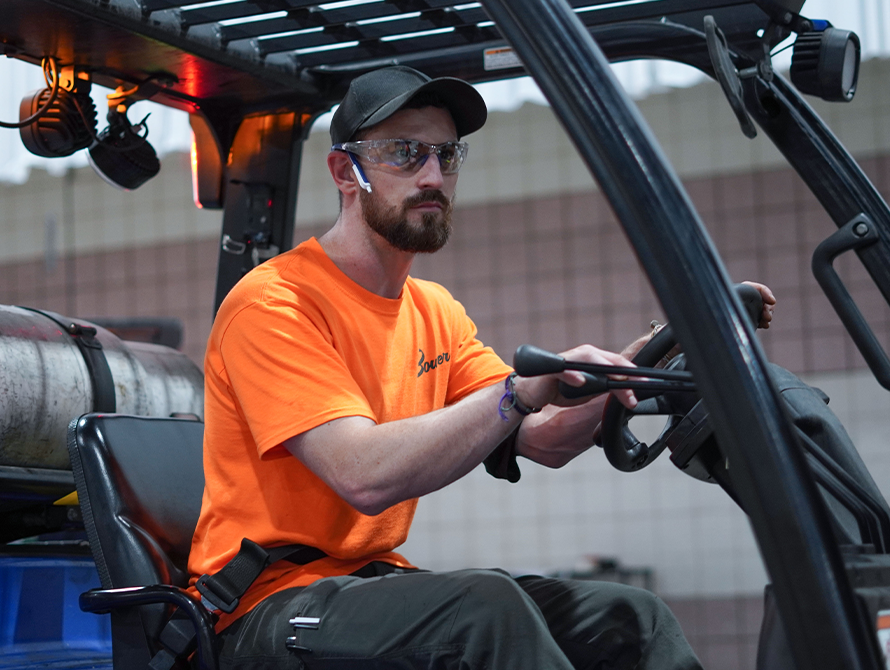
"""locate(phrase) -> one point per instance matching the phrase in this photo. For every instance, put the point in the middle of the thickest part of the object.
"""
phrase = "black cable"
(784, 48)
(87, 122)
(131, 128)
(54, 92)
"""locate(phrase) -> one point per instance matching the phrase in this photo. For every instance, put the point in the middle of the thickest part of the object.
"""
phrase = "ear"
(341, 171)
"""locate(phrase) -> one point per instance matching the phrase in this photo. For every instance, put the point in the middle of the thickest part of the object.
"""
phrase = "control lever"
(532, 361)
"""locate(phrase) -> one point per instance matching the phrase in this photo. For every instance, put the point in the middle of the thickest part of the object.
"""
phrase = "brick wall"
(553, 271)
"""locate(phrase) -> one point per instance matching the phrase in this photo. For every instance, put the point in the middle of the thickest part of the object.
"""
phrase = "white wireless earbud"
(364, 183)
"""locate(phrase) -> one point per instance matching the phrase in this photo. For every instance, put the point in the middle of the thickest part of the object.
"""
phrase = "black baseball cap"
(377, 95)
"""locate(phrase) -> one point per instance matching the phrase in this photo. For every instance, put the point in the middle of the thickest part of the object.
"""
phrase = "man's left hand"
(769, 303)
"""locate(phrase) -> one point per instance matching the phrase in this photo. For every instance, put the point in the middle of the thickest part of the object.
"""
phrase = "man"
(322, 430)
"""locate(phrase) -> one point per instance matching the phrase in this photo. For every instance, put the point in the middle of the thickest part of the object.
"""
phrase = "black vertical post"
(260, 192)
(68, 233)
(818, 607)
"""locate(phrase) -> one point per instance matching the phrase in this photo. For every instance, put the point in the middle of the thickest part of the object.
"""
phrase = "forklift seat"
(140, 481)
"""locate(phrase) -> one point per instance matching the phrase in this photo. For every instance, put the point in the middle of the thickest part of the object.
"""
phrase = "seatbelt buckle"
(211, 600)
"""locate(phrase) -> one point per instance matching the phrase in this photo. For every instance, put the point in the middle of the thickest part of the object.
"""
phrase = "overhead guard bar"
(825, 627)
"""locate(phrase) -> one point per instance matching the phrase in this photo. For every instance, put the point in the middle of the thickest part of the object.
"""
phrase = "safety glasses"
(407, 155)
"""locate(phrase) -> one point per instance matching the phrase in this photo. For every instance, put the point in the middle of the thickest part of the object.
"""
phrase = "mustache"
(431, 195)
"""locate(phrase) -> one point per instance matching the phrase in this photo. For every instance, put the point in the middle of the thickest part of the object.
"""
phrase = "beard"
(392, 223)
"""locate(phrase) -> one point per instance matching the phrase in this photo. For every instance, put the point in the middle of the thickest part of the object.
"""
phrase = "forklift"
(254, 75)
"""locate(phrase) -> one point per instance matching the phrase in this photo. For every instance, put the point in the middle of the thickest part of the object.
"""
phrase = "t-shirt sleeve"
(286, 375)
(475, 366)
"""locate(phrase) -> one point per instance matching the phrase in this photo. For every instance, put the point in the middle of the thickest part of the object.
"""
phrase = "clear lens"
(450, 158)
(409, 154)
(397, 153)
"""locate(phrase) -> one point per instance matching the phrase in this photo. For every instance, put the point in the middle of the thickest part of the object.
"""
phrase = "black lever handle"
(531, 361)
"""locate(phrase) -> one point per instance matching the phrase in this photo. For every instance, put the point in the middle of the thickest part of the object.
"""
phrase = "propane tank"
(54, 369)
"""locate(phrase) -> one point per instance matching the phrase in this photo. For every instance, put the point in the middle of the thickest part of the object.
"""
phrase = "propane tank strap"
(84, 336)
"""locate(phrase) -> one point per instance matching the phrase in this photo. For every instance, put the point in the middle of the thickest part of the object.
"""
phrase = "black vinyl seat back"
(139, 481)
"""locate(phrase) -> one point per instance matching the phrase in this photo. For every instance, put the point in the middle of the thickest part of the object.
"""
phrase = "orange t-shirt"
(296, 344)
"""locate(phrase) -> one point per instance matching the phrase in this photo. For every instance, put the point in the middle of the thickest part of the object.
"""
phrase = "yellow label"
(70, 499)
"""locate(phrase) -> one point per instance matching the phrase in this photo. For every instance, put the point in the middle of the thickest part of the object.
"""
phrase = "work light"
(825, 63)
(121, 155)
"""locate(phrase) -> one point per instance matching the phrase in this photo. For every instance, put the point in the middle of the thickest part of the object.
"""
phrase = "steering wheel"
(687, 432)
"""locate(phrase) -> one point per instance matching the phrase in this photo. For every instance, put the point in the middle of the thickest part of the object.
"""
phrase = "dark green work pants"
(468, 619)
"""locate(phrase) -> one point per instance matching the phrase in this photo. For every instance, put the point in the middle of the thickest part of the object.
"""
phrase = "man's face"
(411, 210)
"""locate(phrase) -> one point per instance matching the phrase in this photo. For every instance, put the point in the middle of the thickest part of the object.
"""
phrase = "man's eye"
(401, 152)
(447, 153)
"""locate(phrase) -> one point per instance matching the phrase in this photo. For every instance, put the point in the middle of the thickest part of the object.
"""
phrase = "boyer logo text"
(432, 364)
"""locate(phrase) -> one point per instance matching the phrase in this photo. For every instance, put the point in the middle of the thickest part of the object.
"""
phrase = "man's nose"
(430, 173)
